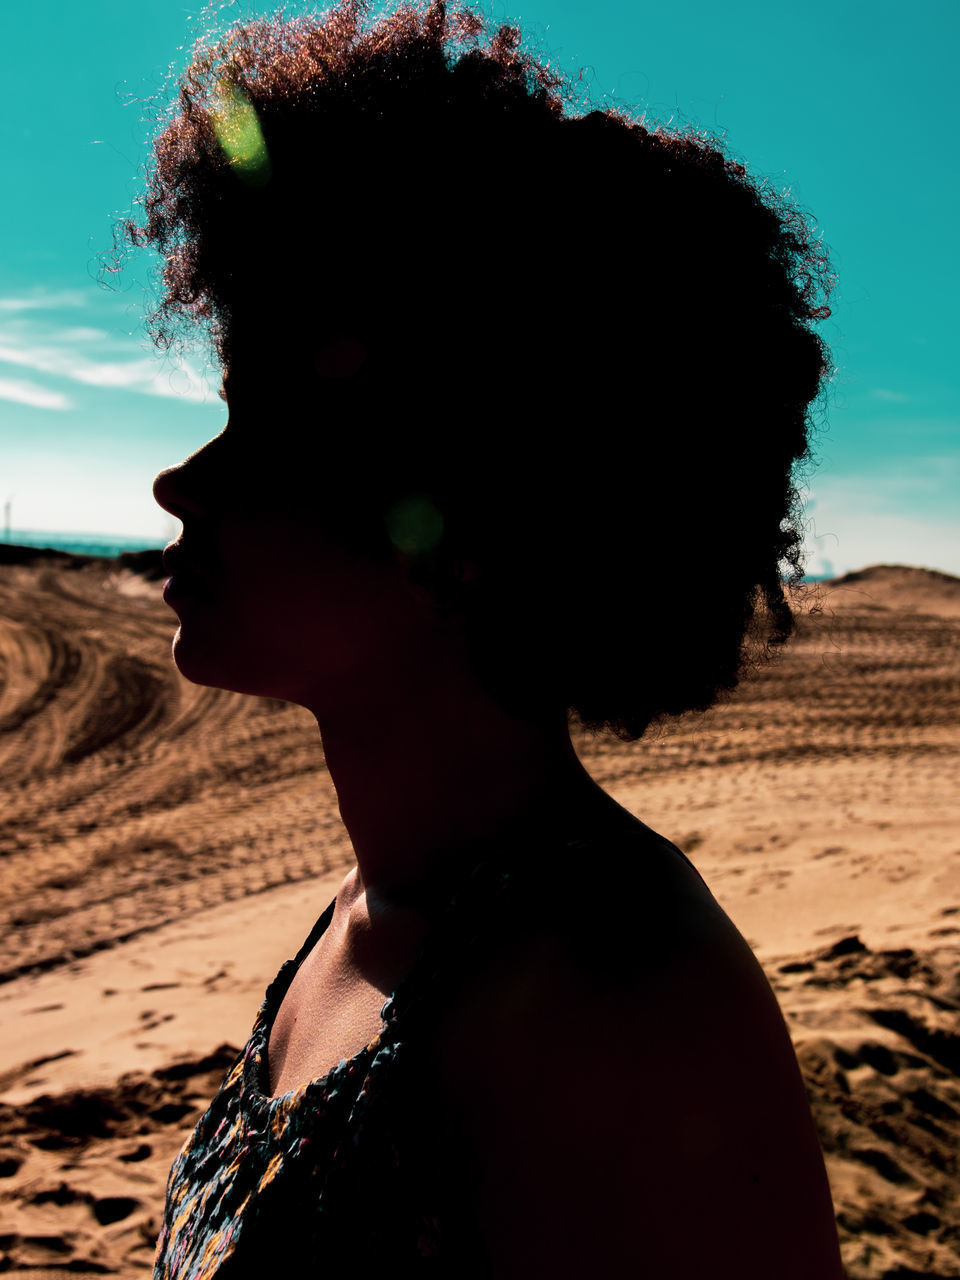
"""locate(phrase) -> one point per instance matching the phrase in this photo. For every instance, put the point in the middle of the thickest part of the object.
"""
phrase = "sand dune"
(165, 847)
(130, 796)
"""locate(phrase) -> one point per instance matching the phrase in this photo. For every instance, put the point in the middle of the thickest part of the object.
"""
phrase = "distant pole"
(6, 519)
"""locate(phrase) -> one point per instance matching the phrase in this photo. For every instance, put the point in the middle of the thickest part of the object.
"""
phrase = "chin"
(230, 665)
(219, 667)
(196, 664)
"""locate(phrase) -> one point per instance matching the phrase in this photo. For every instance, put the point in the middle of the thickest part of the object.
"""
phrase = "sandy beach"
(165, 847)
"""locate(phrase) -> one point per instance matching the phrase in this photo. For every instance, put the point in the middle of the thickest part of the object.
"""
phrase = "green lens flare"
(414, 524)
(238, 132)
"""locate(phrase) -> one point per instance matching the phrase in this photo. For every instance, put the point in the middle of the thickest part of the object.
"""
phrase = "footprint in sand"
(138, 1153)
(110, 1209)
(831, 852)
(884, 1164)
(150, 1019)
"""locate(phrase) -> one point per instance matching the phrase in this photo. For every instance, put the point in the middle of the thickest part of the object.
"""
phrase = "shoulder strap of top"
(314, 935)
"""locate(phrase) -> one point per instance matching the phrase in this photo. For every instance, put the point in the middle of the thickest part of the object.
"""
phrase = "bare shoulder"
(628, 1093)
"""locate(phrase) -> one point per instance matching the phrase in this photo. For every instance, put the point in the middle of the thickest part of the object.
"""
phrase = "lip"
(185, 578)
(173, 557)
(174, 590)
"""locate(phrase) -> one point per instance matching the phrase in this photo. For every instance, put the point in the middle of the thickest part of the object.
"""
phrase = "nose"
(180, 489)
(166, 491)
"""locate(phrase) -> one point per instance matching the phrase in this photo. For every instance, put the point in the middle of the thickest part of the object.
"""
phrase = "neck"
(426, 783)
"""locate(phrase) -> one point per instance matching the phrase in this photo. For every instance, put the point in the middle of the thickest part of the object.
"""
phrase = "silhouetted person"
(515, 398)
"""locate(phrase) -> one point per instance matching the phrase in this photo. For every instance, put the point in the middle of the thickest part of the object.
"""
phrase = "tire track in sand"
(130, 796)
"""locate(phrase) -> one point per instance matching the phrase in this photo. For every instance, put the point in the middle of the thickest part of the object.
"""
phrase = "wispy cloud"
(92, 356)
(888, 396)
(22, 392)
(906, 517)
(43, 301)
(83, 333)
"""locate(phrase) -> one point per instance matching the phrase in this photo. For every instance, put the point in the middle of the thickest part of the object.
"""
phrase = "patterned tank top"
(352, 1170)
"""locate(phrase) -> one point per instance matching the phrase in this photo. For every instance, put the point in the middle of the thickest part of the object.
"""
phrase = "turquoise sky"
(849, 103)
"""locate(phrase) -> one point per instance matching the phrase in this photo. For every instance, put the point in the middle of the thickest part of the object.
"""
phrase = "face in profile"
(269, 598)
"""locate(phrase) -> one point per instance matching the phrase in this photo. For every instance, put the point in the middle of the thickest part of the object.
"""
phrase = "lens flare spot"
(238, 133)
(414, 524)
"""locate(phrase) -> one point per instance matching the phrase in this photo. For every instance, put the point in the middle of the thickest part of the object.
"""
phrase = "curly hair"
(581, 344)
